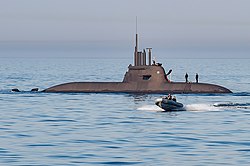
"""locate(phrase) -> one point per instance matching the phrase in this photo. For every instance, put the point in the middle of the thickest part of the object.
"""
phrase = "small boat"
(169, 105)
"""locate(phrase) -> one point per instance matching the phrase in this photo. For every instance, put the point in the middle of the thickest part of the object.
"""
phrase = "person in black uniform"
(197, 77)
(186, 77)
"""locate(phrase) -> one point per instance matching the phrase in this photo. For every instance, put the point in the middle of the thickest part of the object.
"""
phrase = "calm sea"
(120, 129)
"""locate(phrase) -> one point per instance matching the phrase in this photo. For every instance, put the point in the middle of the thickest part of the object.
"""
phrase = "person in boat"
(174, 99)
(169, 97)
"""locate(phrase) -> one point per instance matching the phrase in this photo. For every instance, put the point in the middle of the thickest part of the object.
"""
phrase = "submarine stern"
(182, 87)
(209, 88)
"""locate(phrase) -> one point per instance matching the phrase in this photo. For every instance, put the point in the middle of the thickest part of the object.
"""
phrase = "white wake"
(189, 107)
(150, 108)
(201, 107)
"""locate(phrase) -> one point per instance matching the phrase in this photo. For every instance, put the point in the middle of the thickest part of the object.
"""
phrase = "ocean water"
(121, 129)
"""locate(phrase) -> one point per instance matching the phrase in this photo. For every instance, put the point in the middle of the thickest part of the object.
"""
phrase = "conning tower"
(143, 72)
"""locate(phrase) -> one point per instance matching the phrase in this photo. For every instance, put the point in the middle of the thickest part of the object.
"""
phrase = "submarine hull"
(120, 87)
(140, 78)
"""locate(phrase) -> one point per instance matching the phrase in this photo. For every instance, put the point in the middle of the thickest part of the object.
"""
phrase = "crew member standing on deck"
(186, 77)
(197, 77)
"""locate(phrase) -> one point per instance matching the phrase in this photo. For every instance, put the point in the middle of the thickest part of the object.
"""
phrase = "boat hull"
(123, 87)
(169, 105)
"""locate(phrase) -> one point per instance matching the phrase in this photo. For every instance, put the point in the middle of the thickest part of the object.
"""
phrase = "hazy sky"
(217, 24)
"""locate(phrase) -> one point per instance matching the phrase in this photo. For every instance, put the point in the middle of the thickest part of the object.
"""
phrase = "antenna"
(136, 47)
(136, 36)
(136, 24)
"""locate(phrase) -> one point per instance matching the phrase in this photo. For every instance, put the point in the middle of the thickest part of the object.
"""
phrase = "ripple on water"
(107, 129)
(8, 157)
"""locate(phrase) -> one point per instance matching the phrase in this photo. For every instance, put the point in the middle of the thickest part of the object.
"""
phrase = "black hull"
(170, 105)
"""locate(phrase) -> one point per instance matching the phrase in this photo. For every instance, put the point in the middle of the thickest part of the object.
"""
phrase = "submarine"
(141, 77)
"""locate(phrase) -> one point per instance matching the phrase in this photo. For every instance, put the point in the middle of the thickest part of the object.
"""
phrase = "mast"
(136, 51)
(136, 47)
(149, 56)
(140, 56)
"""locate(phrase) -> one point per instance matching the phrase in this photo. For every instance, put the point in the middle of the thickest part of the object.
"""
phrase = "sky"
(162, 24)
